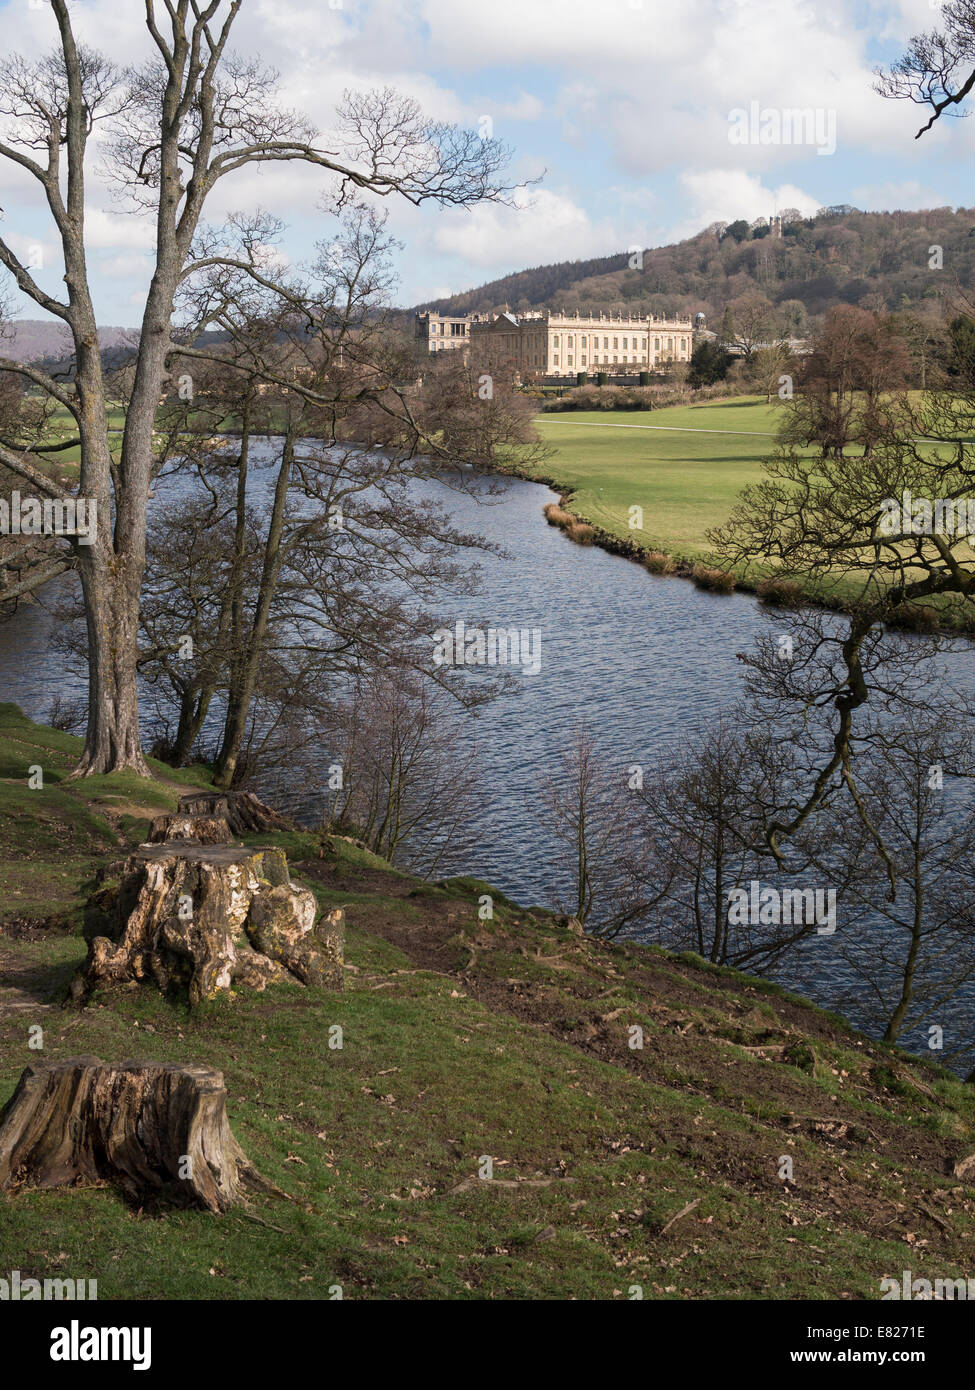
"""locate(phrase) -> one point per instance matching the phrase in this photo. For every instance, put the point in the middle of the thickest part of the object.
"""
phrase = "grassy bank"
(685, 467)
(464, 1038)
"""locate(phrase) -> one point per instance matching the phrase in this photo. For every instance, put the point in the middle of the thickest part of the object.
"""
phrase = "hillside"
(35, 340)
(540, 285)
(843, 257)
(614, 1166)
(46, 340)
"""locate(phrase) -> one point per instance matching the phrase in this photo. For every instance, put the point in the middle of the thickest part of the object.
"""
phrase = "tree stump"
(245, 813)
(205, 830)
(204, 918)
(142, 1125)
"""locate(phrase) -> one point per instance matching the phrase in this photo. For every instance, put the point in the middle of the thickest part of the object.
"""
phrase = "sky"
(635, 117)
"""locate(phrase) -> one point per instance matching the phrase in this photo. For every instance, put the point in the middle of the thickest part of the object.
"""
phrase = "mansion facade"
(443, 331)
(562, 344)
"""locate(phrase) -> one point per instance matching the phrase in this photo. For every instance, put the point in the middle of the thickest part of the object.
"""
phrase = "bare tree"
(702, 815)
(850, 392)
(312, 552)
(403, 780)
(342, 521)
(938, 69)
(913, 949)
(177, 126)
(750, 322)
(586, 804)
(889, 526)
(770, 366)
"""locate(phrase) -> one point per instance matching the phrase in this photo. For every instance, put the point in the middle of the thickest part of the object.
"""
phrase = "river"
(643, 661)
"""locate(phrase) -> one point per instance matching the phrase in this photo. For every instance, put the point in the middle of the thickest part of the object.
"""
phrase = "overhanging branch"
(34, 581)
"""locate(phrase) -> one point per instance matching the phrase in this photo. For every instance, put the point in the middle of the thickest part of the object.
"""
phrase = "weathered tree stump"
(205, 830)
(204, 918)
(142, 1125)
(245, 813)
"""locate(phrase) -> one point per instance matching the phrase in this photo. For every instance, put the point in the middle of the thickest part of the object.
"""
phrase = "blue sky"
(623, 104)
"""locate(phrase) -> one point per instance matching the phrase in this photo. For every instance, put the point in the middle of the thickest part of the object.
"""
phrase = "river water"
(643, 661)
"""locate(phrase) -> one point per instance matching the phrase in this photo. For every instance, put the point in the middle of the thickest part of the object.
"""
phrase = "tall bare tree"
(176, 126)
(913, 949)
(585, 803)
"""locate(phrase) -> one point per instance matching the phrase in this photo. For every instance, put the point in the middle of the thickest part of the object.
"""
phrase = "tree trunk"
(193, 710)
(204, 830)
(244, 679)
(146, 1126)
(111, 589)
(204, 917)
(244, 813)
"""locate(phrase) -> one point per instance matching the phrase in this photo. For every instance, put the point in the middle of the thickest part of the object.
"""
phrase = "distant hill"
(841, 256)
(528, 288)
(34, 340)
(40, 340)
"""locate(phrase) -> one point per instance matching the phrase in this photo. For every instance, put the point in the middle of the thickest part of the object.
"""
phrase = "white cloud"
(424, 294)
(576, 31)
(723, 195)
(906, 196)
(41, 256)
(526, 107)
(544, 226)
(106, 229)
(658, 80)
(131, 267)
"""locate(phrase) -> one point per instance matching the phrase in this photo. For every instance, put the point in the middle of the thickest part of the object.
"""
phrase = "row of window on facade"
(512, 340)
(639, 344)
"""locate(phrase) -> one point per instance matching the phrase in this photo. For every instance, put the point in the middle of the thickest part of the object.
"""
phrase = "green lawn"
(685, 466)
(61, 426)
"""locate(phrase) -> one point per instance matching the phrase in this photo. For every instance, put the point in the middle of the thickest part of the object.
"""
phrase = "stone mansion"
(562, 344)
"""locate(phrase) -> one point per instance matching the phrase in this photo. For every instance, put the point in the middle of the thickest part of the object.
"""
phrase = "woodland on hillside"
(840, 256)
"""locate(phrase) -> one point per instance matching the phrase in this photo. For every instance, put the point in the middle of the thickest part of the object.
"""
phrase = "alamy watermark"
(494, 646)
(77, 1343)
(783, 125)
(54, 516)
(927, 1290)
(919, 516)
(758, 906)
(17, 1289)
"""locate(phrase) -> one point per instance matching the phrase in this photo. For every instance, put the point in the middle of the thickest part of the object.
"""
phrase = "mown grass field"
(684, 465)
(615, 1167)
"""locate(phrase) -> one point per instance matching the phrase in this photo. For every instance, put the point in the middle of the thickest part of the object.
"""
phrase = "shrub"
(779, 593)
(657, 562)
(556, 515)
(915, 618)
(714, 580)
(581, 532)
(800, 1055)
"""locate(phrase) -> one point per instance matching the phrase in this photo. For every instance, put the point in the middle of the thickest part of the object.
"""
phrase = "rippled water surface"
(641, 660)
